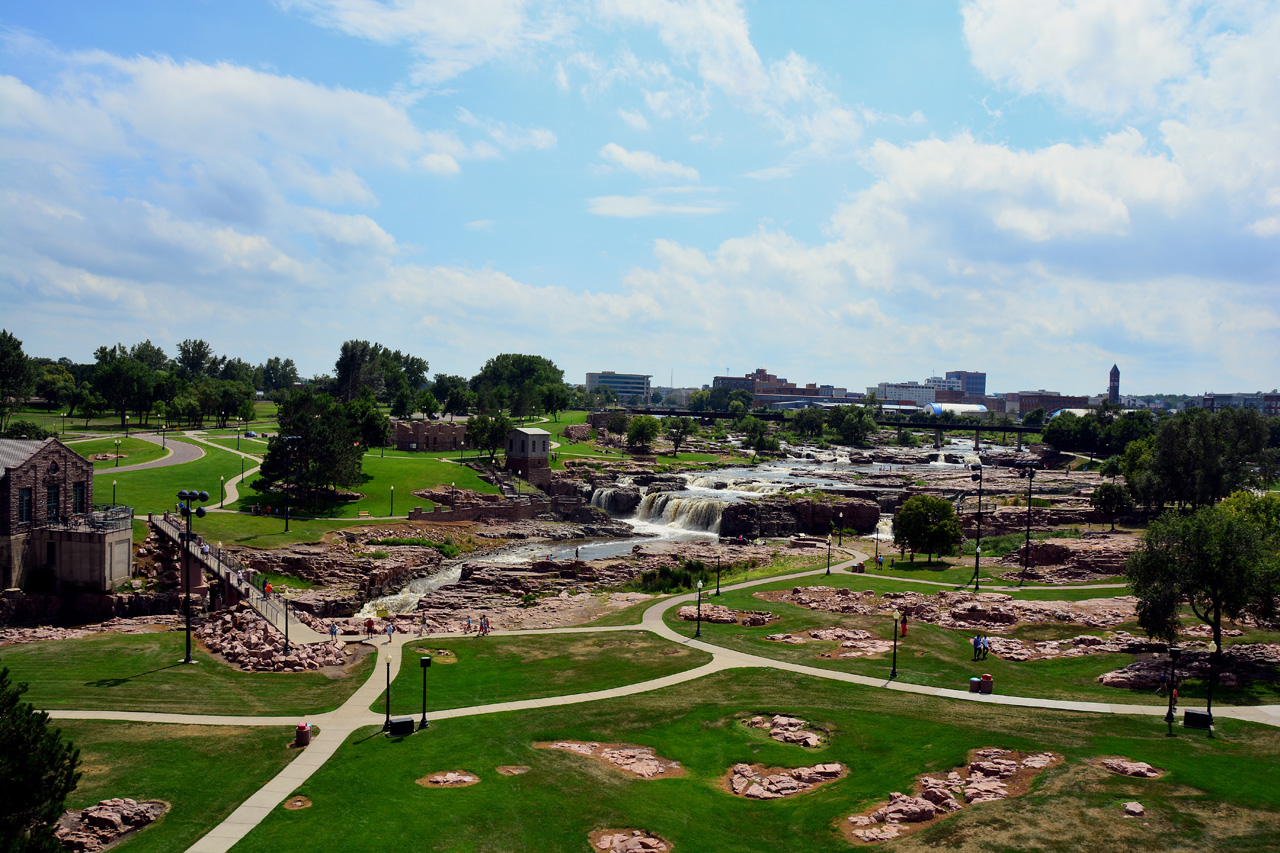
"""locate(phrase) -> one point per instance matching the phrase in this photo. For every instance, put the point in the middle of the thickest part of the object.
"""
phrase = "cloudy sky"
(841, 192)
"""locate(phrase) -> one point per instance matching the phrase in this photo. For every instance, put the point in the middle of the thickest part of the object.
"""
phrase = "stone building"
(52, 536)
(529, 455)
(428, 435)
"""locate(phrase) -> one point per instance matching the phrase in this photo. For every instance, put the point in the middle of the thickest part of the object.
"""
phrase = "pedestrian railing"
(248, 583)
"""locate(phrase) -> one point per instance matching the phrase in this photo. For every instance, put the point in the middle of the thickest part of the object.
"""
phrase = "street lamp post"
(424, 662)
(113, 492)
(163, 442)
(185, 498)
(698, 632)
(222, 491)
(238, 431)
(897, 614)
(290, 444)
(978, 549)
(840, 529)
(126, 426)
(828, 553)
(386, 725)
(117, 453)
(1174, 654)
(393, 501)
(1028, 471)
(717, 577)
(453, 496)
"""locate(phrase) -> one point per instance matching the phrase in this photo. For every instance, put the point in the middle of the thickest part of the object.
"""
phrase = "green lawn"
(133, 451)
(260, 531)
(202, 772)
(247, 445)
(942, 657)
(156, 489)
(405, 475)
(141, 672)
(499, 669)
(1221, 794)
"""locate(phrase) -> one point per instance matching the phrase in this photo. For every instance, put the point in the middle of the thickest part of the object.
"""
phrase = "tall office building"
(973, 384)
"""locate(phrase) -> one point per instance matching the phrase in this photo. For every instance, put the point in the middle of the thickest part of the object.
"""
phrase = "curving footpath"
(337, 725)
(179, 453)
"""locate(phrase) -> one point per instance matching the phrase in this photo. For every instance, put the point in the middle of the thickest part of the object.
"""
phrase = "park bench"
(364, 513)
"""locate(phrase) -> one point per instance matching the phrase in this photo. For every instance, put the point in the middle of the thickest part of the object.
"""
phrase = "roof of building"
(531, 431)
(15, 451)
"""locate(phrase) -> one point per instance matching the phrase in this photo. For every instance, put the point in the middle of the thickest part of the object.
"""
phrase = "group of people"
(981, 645)
(482, 627)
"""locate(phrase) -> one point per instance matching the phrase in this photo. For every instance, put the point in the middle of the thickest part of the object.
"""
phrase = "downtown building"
(625, 385)
(769, 390)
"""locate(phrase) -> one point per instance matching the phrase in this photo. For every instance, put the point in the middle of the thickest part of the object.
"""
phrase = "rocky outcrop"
(1136, 769)
(755, 783)
(98, 826)
(785, 729)
(1239, 662)
(639, 761)
(722, 615)
(782, 517)
(628, 841)
(246, 641)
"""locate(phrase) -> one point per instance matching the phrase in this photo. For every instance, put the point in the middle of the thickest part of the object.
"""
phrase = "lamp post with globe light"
(698, 631)
(897, 614)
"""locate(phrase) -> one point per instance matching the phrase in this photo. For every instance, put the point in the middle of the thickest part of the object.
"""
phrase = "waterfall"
(406, 600)
(681, 510)
(884, 529)
(603, 499)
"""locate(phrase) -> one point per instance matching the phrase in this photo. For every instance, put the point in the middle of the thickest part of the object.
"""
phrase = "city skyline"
(848, 194)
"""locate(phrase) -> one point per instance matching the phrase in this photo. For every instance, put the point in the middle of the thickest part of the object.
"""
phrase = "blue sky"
(842, 192)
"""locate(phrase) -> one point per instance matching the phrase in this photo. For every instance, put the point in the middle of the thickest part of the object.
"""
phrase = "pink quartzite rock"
(1137, 769)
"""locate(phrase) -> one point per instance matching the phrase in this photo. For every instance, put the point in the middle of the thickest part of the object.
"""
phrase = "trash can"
(302, 735)
(973, 684)
(986, 683)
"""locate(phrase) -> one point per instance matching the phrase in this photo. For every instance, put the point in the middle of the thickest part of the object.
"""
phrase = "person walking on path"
(266, 589)
(333, 632)
(368, 628)
(986, 646)
(977, 646)
(904, 624)
(391, 629)
(468, 628)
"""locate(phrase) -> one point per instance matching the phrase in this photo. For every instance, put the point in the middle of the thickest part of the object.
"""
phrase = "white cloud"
(448, 38)
(634, 118)
(646, 164)
(480, 225)
(633, 206)
(1102, 56)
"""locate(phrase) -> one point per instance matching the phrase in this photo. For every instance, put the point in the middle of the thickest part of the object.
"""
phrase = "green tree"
(617, 422)
(516, 377)
(38, 770)
(194, 358)
(56, 385)
(17, 376)
(1034, 418)
(555, 399)
(642, 430)
(1215, 559)
(656, 398)
(927, 525)
(678, 430)
(1111, 500)
(149, 354)
(857, 425)
(489, 432)
(327, 453)
(359, 366)
(809, 422)
(278, 374)
(427, 403)
(700, 401)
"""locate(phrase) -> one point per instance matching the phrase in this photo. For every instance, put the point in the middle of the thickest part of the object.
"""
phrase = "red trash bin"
(302, 735)
(986, 684)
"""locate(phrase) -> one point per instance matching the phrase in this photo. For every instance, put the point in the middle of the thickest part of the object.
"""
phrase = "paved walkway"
(179, 453)
(336, 726)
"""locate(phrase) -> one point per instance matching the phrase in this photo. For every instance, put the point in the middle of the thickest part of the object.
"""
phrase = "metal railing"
(102, 518)
(247, 582)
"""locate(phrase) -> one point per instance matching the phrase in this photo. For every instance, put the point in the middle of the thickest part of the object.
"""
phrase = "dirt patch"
(638, 761)
(295, 803)
(513, 769)
(449, 779)
(627, 841)
(441, 657)
(991, 774)
(757, 782)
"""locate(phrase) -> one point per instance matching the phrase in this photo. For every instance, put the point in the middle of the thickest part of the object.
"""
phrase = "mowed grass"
(499, 669)
(141, 672)
(156, 489)
(1221, 794)
(943, 657)
(133, 451)
(202, 772)
(261, 531)
(405, 474)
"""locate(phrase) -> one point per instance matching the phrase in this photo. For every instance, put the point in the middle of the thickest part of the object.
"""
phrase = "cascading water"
(884, 529)
(406, 600)
(681, 510)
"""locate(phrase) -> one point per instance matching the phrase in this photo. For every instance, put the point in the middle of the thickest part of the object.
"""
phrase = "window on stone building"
(52, 503)
(24, 505)
(77, 497)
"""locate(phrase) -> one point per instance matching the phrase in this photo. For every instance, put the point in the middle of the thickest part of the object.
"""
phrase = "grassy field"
(405, 475)
(133, 451)
(1221, 794)
(260, 531)
(942, 657)
(500, 669)
(141, 672)
(156, 489)
(203, 773)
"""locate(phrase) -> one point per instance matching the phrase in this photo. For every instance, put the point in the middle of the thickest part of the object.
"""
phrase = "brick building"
(768, 389)
(51, 535)
(529, 455)
(428, 435)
